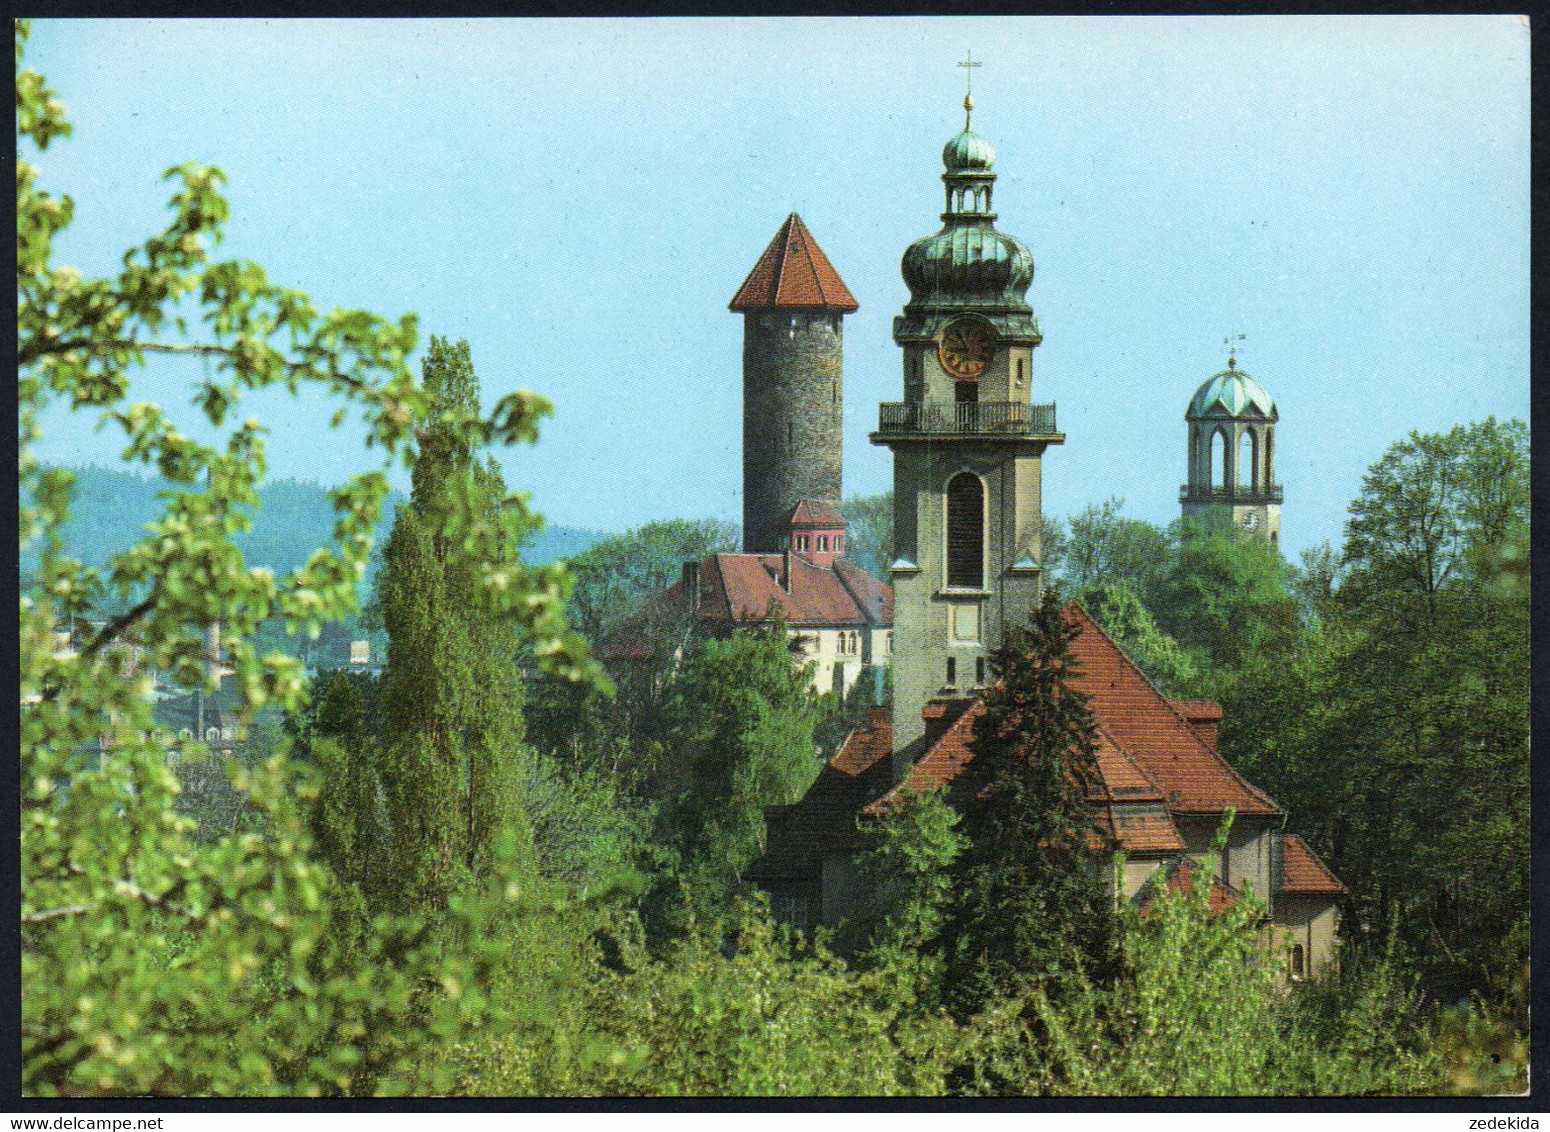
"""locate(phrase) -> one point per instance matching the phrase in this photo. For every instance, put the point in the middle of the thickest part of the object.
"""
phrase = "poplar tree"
(1032, 907)
(452, 689)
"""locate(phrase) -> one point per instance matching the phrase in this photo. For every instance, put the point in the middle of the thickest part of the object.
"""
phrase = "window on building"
(1247, 473)
(979, 671)
(1299, 961)
(952, 671)
(801, 542)
(823, 543)
(888, 643)
(965, 532)
(1020, 373)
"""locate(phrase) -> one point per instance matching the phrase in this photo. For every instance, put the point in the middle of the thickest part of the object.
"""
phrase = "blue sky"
(581, 199)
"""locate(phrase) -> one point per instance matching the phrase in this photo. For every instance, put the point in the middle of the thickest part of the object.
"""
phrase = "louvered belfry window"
(965, 532)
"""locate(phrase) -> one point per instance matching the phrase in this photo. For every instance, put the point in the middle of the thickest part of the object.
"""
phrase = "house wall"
(1246, 864)
(1311, 921)
(822, 651)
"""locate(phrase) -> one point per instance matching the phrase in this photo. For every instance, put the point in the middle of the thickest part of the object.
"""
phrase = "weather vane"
(1232, 351)
(968, 96)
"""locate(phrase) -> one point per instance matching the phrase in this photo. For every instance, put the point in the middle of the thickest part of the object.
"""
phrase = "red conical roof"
(793, 272)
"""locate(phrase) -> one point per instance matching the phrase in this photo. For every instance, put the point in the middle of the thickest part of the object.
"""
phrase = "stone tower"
(1232, 430)
(793, 305)
(967, 443)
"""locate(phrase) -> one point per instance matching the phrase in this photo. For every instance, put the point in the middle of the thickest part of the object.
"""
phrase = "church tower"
(1232, 431)
(793, 305)
(967, 443)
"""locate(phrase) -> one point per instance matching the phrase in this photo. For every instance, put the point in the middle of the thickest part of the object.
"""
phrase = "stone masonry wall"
(793, 415)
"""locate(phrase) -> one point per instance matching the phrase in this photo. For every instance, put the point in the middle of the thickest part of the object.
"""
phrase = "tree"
(1226, 597)
(156, 964)
(1103, 546)
(869, 532)
(742, 717)
(618, 575)
(1400, 730)
(1117, 607)
(906, 861)
(1031, 906)
(451, 687)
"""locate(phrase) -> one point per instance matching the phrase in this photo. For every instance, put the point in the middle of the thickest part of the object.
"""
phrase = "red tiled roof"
(1181, 876)
(1123, 778)
(1144, 830)
(865, 745)
(1139, 828)
(811, 513)
(1198, 711)
(744, 587)
(1150, 729)
(793, 272)
(1303, 874)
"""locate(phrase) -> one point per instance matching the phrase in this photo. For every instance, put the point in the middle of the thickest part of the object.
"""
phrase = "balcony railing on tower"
(1015, 418)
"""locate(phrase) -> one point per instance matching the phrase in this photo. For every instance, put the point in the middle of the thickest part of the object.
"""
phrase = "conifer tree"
(452, 690)
(1031, 904)
(345, 818)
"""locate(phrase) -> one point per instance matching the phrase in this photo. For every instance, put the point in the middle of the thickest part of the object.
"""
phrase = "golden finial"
(968, 97)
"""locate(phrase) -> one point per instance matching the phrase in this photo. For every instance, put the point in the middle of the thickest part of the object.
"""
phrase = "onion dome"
(968, 264)
(967, 152)
(1230, 395)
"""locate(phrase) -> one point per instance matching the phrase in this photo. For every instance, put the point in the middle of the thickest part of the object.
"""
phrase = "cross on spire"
(968, 97)
(1232, 350)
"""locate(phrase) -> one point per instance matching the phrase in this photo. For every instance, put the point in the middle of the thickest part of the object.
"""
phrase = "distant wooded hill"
(111, 508)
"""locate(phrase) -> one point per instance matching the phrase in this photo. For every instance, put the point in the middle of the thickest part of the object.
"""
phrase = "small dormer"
(816, 531)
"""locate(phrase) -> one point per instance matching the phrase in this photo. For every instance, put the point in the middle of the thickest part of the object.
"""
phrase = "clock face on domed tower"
(966, 349)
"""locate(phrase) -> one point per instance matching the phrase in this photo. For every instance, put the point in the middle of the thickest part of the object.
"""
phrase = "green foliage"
(1104, 547)
(1399, 732)
(1117, 607)
(452, 690)
(742, 717)
(1030, 903)
(869, 532)
(619, 574)
(762, 1017)
(1226, 597)
(156, 964)
(1201, 1010)
(906, 862)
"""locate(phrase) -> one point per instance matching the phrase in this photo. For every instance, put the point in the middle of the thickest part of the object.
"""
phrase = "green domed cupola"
(968, 151)
(1230, 395)
(969, 265)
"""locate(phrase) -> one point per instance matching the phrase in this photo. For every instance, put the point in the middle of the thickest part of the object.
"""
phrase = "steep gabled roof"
(815, 514)
(794, 273)
(1152, 731)
(1303, 874)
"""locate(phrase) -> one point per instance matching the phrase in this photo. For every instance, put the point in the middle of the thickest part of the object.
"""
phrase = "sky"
(580, 199)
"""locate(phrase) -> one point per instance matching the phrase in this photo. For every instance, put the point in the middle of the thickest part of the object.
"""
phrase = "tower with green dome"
(967, 441)
(1232, 429)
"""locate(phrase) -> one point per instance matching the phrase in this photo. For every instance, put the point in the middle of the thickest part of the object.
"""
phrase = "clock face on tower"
(1250, 520)
(966, 348)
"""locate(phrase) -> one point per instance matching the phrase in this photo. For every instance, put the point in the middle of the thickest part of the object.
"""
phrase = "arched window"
(1270, 452)
(212, 734)
(1219, 459)
(1298, 960)
(965, 532)
(1247, 473)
